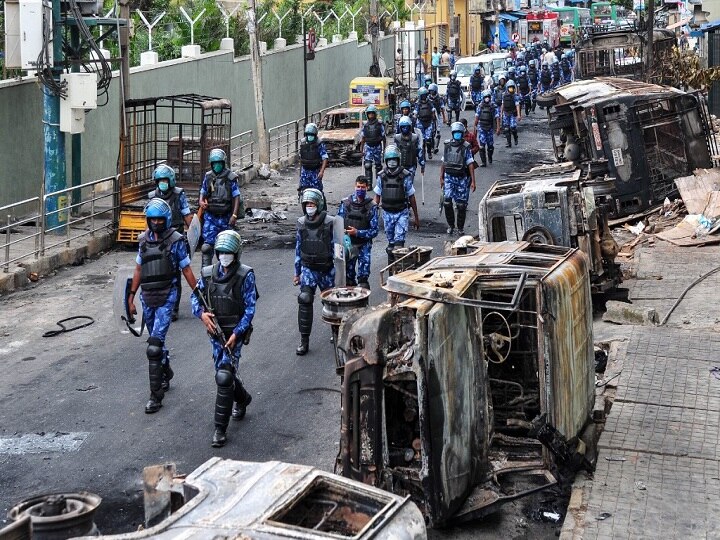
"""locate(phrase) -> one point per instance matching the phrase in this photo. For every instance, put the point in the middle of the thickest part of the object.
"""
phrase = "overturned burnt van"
(643, 135)
(473, 384)
(553, 205)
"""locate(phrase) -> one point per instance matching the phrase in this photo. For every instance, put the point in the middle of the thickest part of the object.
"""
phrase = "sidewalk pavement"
(658, 469)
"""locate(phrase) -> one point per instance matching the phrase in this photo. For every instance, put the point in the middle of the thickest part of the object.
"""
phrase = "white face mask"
(311, 210)
(226, 259)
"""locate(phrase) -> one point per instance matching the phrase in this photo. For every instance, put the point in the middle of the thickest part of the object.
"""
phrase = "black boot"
(483, 157)
(304, 346)
(515, 135)
(449, 215)
(225, 381)
(428, 149)
(490, 153)
(305, 319)
(461, 213)
(242, 400)
(508, 137)
(155, 371)
(168, 374)
(390, 255)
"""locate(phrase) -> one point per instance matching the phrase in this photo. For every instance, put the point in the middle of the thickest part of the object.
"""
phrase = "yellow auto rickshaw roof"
(377, 81)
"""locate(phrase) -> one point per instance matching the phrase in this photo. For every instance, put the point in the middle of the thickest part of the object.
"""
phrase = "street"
(92, 384)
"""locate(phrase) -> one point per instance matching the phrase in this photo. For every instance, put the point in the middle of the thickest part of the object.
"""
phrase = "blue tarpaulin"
(504, 38)
(508, 17)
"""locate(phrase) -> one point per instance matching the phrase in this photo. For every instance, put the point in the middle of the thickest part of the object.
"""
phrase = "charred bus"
(460, 391)
(643, 135)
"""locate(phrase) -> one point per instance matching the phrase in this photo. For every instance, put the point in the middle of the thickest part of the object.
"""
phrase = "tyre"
(546, 100)
(539, 235)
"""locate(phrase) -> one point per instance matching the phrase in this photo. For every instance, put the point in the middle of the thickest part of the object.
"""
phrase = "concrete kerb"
(574, 524)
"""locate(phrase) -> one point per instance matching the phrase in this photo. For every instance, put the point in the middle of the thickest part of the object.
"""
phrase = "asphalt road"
(92, 383)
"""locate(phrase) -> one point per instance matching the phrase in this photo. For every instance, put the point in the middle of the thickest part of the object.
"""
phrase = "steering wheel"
(500, 344)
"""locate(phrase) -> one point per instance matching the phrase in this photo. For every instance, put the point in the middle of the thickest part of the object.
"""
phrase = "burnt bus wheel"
(539, 235)
(546, 100)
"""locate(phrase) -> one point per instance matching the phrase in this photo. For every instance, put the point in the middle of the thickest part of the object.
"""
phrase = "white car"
(465, 66)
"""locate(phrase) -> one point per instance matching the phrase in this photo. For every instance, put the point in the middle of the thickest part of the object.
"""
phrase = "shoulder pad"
(328, 218)
(207, 271)
(175, 236)
(232, 176)
(405, 173)
(243, 270)
(178, 190)
(151, 194)
(142, 237)
(301, 220)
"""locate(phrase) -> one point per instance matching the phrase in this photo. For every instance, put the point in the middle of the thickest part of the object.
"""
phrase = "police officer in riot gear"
(230, 294)
(566, 69)
(162, 250)
(426, 120)
(220, 201)
(555, 70)
(405, 110)
(484, 118)
(457, 178)
(314, 262)
(165, 189)
(525, 90)
(498, 92)
(372, 141)
(313, 159)
(437, 101)
(361, 225)
(410, 146)
(511, 113)
(476, 85)
(454, 96)
(545, 79)
(394, 192)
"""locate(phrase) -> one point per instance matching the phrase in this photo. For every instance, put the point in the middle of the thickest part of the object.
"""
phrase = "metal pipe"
(7, 244)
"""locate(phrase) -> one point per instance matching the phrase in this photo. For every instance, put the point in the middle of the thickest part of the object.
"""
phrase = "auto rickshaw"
(376, 91)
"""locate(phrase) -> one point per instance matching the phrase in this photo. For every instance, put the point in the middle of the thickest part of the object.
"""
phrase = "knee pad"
(155, 348)
(224, 378)
(461, 207)
(306, 296)
(447, 203)
(207, 249)
(399, 244)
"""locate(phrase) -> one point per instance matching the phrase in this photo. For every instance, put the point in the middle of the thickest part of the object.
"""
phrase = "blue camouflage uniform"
(312, 278)
(510, 118)
(309, 177)
(214, 223)
(457, 188)
(373, 153)
(157, 319)
(396, 223)
(419, 152)
(360, 249)
(220, 356)
(497, 95)
(486, 136)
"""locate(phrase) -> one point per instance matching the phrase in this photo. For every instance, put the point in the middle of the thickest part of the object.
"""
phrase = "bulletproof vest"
(499, 91)
(394, 197)
(476, 83)
(486, 116)
(545, 77)
(310, 155)
(157, 269)
(453, 89)
(408, 149)
(435, 101)
(565, 65)
(533, 76)
(220, 199)
(357, 214)
(454, 157)
(372, 131)
(226, 294)
(172, 197)
(523, 83)
(556, 70)
(509, 103)
(425, 110)
(316, 242)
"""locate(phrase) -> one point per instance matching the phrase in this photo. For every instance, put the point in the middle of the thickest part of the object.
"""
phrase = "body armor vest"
(220, 199)
(316, 249)
(226, 294)
(454, 157)
(172, 197)
(394, 196)
(523, 84)
(454, 89)
(357, 214)
(476, 83)
(565, 66)
(509, 104)
(545, 77)
(310, 155)
(533, 76)
(486, 116)
(157, 269)
(408, 149)
(372, 131)
(499, 91)
(425, 111)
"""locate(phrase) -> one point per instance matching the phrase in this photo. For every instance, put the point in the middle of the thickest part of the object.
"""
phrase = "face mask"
(310, 210)
(360, 193)
(226, 259)
(392, 163)
(218, 167)
(310, 138)
(457, 135)
(405, 129)
(156, 228)
(163, 186)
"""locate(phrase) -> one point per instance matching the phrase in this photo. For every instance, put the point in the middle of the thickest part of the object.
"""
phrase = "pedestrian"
(511, 113)
(314, 263)
(420, 69)
(219, 201)
(451, 59)
(435, 63)
(454, 97)
(361, 225)
(410, 145)
(457, 178)
(161, 251)
(398, 64)
(313, 160)
(445, 58)
(372, 142)
(426, 120)
(165, 189)
(229, 287)
(394, 192)
(471, 138)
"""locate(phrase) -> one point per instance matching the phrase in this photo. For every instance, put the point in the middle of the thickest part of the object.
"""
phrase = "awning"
(508, 17)
(709, 27)
(574, 1)
(681, 22)
(520, 14)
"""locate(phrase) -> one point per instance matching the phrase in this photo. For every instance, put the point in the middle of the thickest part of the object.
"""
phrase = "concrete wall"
(214, 74)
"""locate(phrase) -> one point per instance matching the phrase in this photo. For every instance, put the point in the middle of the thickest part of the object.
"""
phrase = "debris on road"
(624, 313)
(256, 215)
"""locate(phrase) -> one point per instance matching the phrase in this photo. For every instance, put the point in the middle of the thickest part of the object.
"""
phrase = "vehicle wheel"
(539, 235)
(562, 122)
(546, 100)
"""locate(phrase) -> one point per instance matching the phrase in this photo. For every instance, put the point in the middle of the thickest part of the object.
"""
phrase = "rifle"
(217, 334)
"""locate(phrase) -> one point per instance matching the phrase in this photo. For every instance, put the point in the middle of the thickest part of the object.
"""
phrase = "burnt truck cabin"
(643, 135)
(452, 389)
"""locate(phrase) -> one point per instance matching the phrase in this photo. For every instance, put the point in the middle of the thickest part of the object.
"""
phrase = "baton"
(422, 186)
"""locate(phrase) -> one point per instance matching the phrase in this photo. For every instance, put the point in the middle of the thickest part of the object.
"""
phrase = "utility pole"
(124, 42)
(496, 37)
(257, 83)
(650, 30)
(374, 43)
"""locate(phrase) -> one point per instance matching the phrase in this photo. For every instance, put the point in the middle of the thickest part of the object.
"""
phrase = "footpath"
(658, 468)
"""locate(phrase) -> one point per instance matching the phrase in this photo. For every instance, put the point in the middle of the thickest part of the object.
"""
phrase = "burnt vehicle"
(473, 385)
(554, 205)
(236, 499)
(339, 130)
(620, 53)
(643, 135)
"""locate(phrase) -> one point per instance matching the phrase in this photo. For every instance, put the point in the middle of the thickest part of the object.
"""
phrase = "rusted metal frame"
(385, 270)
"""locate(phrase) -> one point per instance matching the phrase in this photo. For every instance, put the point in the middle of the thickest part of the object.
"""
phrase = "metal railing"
(242, 150)
(30, 212)
(285, 139)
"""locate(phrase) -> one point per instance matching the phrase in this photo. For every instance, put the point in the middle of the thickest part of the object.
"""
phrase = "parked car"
(339, 129)
(465, 66)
